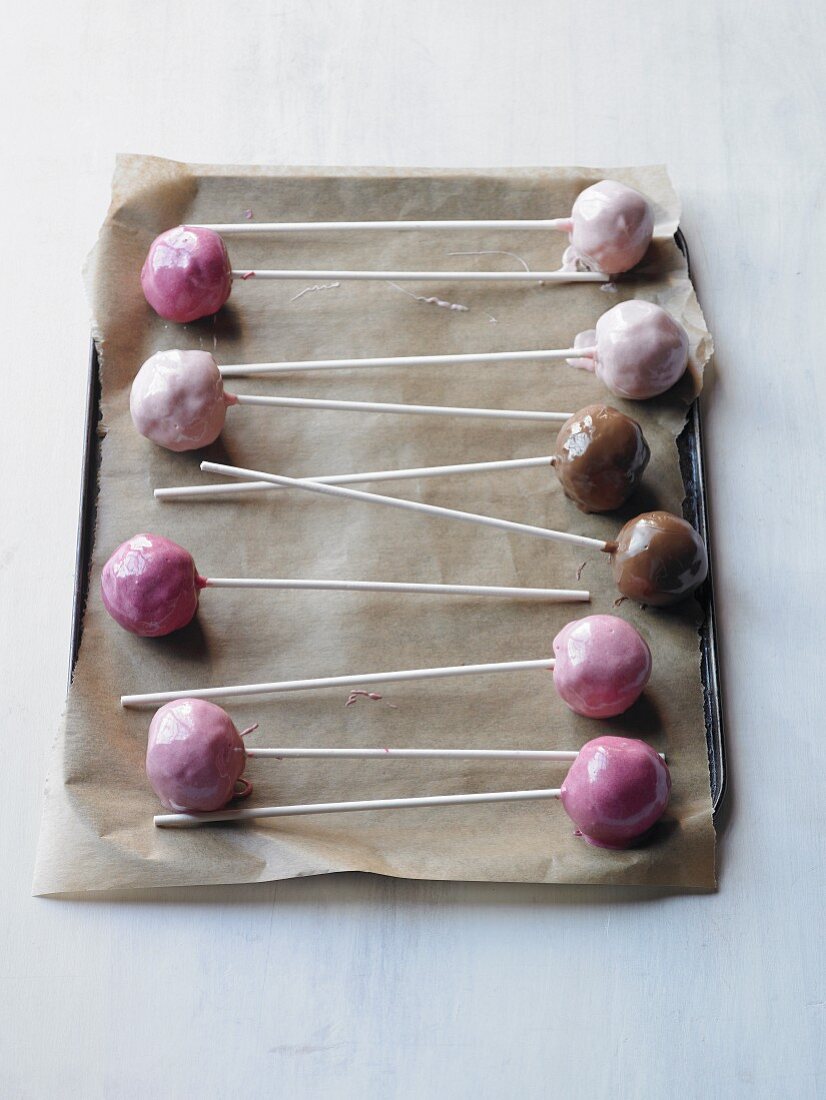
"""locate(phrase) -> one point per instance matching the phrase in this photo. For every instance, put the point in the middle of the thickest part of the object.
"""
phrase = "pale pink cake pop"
(178, 400)
(150, 586)
(601, 665)
(641, 351)
(615, 791)
(611, 226)
(195, 757)
(187, 274)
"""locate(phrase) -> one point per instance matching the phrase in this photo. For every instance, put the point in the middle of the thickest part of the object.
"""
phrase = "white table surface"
(353, 986)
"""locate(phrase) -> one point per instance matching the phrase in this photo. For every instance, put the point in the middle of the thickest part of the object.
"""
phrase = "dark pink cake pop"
(195, 757)
(601, 665)
(150, 586)
(187, 274)
(615, 791)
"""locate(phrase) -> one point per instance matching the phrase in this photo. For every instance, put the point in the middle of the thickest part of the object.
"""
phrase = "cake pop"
(585, 685)
(178, 401)
(187, 273)
(637, 350)
(600, 457)
(602, 665)
(657, 558)
(615, 791)
(195, 756)
(150, 586)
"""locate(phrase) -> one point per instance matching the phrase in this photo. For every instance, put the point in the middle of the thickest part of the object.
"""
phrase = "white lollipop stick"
(551, 595)
(549, 755)
(561, 225)
(196, 492)
(558, 276)
(163, 821)
(409, 505)
(235, 370)
(359, 680)
(383, 407)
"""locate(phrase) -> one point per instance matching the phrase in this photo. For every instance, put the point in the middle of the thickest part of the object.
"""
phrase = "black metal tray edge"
(690, 448)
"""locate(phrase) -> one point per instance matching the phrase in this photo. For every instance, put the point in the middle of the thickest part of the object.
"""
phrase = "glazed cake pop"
(602, 665)
(637, 350)
(601, 455)
(195, 756)
(186, 274)
(150, 586)
(615, 791)
(657, 559)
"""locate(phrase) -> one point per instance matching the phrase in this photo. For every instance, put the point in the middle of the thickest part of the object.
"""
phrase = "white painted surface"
(359, 987)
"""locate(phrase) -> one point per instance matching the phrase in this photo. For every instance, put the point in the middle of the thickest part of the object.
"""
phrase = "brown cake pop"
(600, 457)
(658, 559)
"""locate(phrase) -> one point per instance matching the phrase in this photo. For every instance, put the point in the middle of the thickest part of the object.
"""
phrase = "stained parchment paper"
(97, 830)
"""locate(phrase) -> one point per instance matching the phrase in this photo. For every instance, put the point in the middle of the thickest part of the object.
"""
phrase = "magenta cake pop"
(178, 400)
(637, 350)
(611, 227)
(195, 756)
(150, 586)
(602, 665)
(186, 274)
(615, 791)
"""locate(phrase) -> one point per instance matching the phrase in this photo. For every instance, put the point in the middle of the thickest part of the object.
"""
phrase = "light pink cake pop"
(615, 791)
(187, 274)
(640, 351)
(195, 757)
(150, 586)
(178, 400)
(611, 226)
(602, 665)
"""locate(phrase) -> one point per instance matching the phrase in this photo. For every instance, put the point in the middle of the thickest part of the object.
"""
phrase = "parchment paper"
(97, 830)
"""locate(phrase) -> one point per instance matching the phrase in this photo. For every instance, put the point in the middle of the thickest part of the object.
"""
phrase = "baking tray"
(695, 509)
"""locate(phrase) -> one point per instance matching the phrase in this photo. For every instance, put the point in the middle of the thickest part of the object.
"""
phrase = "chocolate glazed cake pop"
(658, 559)
(150, 586)
(600, 456)
(178, 400)
(195, 756)
(616, 790)
(187, 274)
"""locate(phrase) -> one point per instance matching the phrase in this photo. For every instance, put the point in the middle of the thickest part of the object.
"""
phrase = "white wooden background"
(360, 987)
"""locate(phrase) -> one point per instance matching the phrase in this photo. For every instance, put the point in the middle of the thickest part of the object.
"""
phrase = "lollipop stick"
(409, 505)
(415, 754)
(198, 491)
(235, 370)
(551, 595)
(384, 407)
(557, 276)
(359, 680)
(560, 224)
(183, 820)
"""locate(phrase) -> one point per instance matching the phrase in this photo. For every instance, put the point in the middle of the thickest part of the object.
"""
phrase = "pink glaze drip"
(602, 665)
(150, 586)
(587, 339)
(178, 400)
(612, 227)
(187, 274)
(195, 757)
(615, 791)
(641, 351)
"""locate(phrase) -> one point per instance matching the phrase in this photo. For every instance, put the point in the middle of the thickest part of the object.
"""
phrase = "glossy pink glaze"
(150, 586)
(616, 789)
(602, 665)
(195, 756)
(611, 227)
(187, 274)
(178, 400)
(641, 351)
